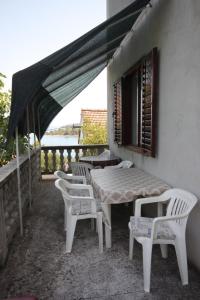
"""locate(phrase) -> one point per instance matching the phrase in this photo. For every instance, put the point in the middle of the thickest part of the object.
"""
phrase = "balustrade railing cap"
(8, 169)
(74, 147)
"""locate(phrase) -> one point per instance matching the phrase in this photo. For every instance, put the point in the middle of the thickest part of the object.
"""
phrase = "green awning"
(50, 84)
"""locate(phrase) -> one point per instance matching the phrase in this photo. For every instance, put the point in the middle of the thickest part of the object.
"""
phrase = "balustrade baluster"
(84, 152)
(77, 155)
(99, 151)
(69, 155)
(61, 159)
(73, 154)
(54, 160)
(46, 161)
(89, 151)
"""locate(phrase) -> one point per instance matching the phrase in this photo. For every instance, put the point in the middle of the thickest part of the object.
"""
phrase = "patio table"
(114, 186)
(100, 161)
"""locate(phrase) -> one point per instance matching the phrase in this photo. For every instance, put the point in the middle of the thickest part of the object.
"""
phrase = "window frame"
(146, 103)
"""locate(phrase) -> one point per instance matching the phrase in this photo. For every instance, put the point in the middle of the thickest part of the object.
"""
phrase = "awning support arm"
(39, 131)
(19, 182)
(29, 160)
(33, 113)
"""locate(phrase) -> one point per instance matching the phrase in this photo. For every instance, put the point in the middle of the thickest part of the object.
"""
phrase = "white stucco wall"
(174, 27)
(114, 6)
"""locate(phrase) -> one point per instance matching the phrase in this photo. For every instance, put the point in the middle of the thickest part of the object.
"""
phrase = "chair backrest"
(64, 187)
(181, 202)
(82, 169)
(105, 154)
(60, 174)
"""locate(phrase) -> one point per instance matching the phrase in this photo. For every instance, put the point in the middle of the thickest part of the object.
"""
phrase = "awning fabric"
(48, 85)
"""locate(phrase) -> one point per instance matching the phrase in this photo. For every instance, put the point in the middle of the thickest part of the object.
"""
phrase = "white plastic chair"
(74, 179)
(79, 207)
(105, 154)
(70, 178)
(81, 169)
(169, 229)
(123, 164)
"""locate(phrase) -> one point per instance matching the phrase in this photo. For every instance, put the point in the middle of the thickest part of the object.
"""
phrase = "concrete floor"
(37, 264)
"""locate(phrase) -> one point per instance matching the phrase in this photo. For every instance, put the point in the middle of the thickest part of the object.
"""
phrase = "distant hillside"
(64, 130)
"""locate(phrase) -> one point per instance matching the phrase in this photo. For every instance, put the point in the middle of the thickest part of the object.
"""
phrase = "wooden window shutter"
(117, 113)
(148, 103)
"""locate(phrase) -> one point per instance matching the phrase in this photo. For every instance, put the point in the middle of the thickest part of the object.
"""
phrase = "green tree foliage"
(94, 133)
(7, 149)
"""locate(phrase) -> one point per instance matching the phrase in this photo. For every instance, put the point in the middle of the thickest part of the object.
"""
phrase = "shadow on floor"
(38, 265)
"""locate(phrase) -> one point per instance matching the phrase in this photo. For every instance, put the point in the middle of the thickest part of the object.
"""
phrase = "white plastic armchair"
(105, 154)
(81, 169)
(70, 178)
(74, 179)
(169, 229)
(123, 164)
(78, 208)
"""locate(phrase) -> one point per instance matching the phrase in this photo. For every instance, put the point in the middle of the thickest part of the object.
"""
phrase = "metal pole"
(33, 112)
(29, 160)
(19, 183)
(39, 132)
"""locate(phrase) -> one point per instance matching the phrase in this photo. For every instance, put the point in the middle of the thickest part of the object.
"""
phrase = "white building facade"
(173, 27)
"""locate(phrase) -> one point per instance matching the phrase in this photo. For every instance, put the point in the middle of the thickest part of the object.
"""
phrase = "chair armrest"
(166, 218)
(82, 187)
(158, 220)
(69, 177)
(141, 201)
(76, 177)
(82, 198)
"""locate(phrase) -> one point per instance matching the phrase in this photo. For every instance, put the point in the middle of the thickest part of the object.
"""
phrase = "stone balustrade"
(57, 157)
(48, 159)
(9, 209)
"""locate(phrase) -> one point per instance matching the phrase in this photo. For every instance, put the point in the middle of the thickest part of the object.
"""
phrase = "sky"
(33, 29)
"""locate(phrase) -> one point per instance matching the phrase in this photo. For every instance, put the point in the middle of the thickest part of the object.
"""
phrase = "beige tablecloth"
(125, 185)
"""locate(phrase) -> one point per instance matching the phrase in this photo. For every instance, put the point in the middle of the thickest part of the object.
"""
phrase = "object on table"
(123, 164)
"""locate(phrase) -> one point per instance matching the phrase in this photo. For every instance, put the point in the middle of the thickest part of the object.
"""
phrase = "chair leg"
(131, 245)
(181, 254)
(164, 250)
(92, 224)
(71, 225)
(147, 254)
(108, 236)
(97, 225)
(100, 231)
(65, 219)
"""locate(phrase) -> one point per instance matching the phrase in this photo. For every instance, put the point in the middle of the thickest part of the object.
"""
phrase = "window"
(117, 114)
(135, 106)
